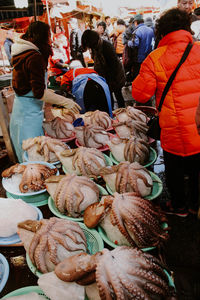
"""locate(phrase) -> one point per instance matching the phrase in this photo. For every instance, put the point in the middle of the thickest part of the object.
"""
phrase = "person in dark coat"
(143, 40)
(128, 52)
(106, 63)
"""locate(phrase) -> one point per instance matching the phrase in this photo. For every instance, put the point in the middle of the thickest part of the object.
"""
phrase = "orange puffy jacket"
(177, 117)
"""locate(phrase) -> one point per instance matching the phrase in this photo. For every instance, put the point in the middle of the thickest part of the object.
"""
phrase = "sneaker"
(180, 212)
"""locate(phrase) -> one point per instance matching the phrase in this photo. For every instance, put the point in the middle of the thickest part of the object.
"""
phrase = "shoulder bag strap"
(173, 75)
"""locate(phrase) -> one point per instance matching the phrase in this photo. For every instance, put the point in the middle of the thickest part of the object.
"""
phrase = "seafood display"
(129, 128)
(132, 150)
(83, 161)
(50, 113)
(123, 273)
(130, 113)
(98, 118)
(72, 194)
(128, 177)
(43, 148)
(66, 255)
(91, 136)
(50, 241)
(31, 176)
(59, 128)
(128, 220)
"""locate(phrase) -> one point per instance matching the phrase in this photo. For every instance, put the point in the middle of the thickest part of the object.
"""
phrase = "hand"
(130, 44)
(65, 66)
(72, 105)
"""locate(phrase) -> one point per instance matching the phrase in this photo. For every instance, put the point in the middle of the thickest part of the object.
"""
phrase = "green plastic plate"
(26, 290)
(108, 163)
(113, 245)
(94, 244)
(151, 161)
(57, 213)
(157, 187)
(36, 289)
(37, 200)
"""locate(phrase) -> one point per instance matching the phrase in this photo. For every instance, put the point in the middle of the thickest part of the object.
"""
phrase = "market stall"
(82, 169)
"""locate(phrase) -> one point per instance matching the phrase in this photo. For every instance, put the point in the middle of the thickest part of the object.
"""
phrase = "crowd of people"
(141, 53)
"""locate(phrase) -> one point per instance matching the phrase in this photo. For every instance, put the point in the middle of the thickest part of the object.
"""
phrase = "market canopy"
(8, 10)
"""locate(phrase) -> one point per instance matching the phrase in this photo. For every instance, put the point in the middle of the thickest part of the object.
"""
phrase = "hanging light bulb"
(21, 3)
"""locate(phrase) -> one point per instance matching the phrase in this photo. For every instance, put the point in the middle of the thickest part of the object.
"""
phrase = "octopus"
(132, 150)
(72, 194)
(91, 136)
(128, 177)
(129, 128)
(58, 128)
(123, 273)
(98, 118)
(50, 241)
(43, 148)
(33, 176)
(83, 161)
(130, 113)
(50, 113)
(128, 220)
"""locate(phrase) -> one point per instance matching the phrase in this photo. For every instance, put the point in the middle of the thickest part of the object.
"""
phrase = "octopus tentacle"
(39, 259)
(45, 247)
(52, 246)
(136, 220)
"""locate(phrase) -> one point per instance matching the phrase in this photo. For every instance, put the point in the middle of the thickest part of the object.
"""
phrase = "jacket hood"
(21, 46)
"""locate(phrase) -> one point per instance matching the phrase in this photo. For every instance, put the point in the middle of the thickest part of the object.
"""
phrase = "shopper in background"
(62, 42)
(142, 42)
(128, 53)
(109, 26)
(8, 44)
(179, 136)
(90, 90)
(101, 29)
(30, 59)
(188, 6)
(195, 26)
(106, 63)
(149, 22)
(75, 41)
(116, 36)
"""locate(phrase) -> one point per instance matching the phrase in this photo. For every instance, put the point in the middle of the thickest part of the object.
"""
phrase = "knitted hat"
(148, 21)
(138, 17)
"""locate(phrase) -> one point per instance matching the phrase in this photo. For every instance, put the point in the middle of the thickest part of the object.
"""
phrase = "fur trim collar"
(21, 46)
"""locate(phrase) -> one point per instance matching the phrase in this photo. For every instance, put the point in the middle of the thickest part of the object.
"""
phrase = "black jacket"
(108, 65)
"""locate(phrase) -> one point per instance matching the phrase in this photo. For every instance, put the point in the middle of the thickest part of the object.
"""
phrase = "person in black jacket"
(106, 63)
(128, 54)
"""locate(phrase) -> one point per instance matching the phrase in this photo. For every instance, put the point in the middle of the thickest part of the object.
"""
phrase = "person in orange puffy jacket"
(179, 136)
